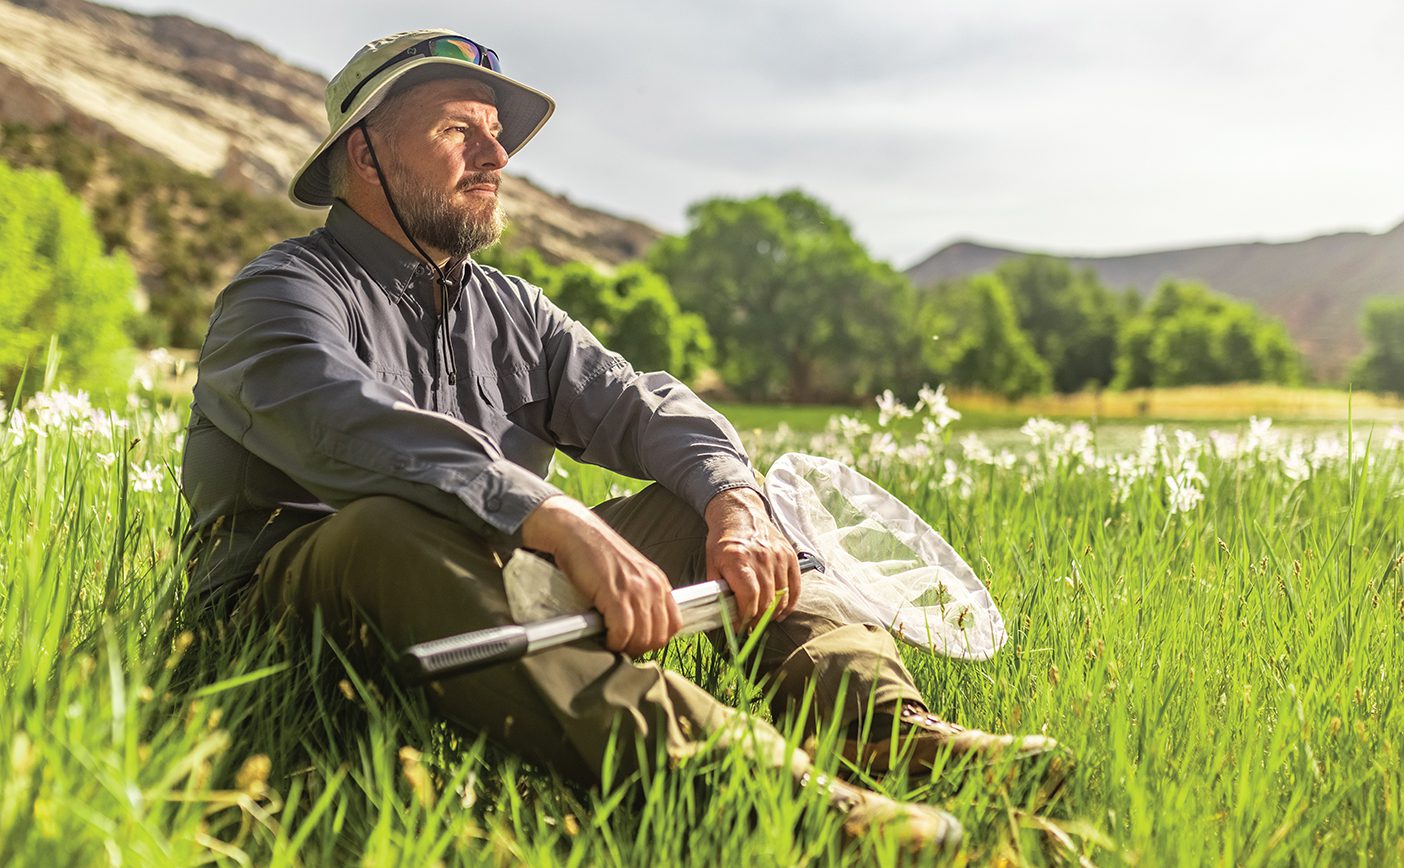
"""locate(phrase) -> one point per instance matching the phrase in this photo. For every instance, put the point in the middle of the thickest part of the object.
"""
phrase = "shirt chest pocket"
(510, 390)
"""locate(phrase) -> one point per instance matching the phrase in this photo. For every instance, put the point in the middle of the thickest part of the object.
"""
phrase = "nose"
(488, 154)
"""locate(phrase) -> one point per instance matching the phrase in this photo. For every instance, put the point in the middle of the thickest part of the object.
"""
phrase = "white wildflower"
(957, 480)
(147, 477)
(930, 432)
(1261, 437)
(937, 406)
(889, 408)
(1041, 431)
(1184, 495)
(1327, 449)
(850, 428)
(883, 445)
(1295, 465)
(1152, 438)
(106, 459)
(976, 450)
(60, 409)
(1075, 445)
(1226, 446)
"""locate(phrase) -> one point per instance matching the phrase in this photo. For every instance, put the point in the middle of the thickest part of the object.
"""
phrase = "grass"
(1227, 675)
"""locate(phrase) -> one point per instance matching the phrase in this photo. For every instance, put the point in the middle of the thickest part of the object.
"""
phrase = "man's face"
(443, 165)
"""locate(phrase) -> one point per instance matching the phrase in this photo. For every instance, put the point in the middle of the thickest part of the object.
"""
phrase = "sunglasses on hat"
(452, 47)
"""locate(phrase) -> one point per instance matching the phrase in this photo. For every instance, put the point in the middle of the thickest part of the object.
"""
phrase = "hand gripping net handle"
(701, 605)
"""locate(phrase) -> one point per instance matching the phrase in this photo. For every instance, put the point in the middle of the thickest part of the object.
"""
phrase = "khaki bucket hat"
(365, 81)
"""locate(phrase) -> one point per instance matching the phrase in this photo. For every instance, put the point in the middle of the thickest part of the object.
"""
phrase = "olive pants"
(416, 576)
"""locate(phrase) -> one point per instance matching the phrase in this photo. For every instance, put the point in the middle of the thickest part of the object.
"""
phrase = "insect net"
(883, 564)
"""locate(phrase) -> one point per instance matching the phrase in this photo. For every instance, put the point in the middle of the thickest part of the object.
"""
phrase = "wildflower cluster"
(147, 437)
(1169, 466)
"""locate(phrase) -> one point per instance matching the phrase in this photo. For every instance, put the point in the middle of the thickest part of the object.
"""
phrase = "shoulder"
(515, 294)
(497, 282)
(313, 257)
(303, 273)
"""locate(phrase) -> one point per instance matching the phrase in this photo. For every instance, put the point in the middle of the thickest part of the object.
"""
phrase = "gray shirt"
(327, 376)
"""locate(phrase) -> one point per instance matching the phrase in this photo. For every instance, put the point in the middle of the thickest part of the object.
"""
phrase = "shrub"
(56, 280)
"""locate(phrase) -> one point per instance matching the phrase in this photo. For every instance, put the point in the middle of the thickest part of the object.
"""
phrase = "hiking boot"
(920, 738)
(916, 827)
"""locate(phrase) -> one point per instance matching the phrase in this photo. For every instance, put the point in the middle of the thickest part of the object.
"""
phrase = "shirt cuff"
(504, 494)
(713, 476)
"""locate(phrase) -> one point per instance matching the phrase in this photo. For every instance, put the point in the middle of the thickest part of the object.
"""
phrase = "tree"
(56, 280)
(1187, 334)
(1070, 318)
(980, 344)
(631, 311)
(1381, 367)
(796, 306)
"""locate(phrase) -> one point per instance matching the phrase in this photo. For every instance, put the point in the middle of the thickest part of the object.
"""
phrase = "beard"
(456, 226)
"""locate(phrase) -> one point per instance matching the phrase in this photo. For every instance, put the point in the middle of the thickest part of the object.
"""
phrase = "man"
(374, 416)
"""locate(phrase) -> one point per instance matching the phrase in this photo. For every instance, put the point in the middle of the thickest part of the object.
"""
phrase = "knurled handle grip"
(462, 653)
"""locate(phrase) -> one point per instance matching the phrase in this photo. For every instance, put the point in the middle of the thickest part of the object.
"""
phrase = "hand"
(747, 551)
(631, 592)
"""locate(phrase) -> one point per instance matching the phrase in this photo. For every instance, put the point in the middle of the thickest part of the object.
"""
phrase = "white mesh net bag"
(883, 564)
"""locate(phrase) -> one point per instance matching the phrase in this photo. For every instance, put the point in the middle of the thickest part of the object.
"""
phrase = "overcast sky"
(1074, 126)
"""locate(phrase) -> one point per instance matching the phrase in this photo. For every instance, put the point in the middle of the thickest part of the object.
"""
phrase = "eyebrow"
(494, 128)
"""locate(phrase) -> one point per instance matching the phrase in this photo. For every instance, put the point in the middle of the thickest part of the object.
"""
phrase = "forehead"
(441, 91)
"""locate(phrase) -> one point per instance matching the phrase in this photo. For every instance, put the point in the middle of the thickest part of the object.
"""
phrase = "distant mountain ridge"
(226, 108)
(1317, 287)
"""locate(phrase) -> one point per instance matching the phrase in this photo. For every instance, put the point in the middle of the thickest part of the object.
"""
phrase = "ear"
(358, 157)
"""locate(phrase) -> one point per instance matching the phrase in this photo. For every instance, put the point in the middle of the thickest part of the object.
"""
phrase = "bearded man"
(373, 420)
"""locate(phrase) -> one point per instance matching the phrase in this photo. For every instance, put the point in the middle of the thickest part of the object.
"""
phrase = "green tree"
(1381, 367)
(56, 280)
(1071, 319)
(979, 342)
(632, 311)
(1187, 334)
(796, 306)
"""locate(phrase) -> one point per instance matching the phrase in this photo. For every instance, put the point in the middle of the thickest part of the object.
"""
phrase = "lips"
(484, 182)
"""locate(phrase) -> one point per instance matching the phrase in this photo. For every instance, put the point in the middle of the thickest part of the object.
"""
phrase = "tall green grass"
(1227, 674)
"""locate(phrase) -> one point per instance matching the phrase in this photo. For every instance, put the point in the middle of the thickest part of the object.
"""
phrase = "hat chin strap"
(440, 276)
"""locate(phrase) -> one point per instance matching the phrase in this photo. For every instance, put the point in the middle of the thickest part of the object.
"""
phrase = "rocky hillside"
(1317, 287)
(163, 88)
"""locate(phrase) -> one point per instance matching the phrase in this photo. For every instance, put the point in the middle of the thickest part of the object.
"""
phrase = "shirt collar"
(388, 264)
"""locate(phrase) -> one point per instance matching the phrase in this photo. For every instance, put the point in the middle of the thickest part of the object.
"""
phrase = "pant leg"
(385, 566)
(851, 666)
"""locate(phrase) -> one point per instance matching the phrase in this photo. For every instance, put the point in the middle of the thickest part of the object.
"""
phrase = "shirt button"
(493, 503)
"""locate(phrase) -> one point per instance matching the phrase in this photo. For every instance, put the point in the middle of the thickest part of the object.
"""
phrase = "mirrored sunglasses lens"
(490, 60)
(458, 49)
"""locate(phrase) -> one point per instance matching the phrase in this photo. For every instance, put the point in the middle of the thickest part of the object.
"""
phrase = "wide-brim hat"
(521, 110)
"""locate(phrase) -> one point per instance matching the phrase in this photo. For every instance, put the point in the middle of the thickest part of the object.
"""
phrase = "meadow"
(1211, 620)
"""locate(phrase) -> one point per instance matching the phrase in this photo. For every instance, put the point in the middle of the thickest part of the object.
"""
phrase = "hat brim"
(521, 110)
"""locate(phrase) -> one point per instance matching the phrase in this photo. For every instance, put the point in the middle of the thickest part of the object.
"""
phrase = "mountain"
(225, 108)
(1317, 287)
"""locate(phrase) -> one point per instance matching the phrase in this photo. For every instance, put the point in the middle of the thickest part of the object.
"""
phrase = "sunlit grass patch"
(1225, 665)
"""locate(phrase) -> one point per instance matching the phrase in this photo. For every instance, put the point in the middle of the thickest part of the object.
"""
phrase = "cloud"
(1084, 125)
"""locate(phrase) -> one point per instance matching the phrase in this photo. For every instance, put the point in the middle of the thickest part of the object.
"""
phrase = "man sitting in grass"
(374, 416)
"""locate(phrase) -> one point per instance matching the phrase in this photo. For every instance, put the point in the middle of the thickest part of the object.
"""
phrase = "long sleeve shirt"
(327, 376)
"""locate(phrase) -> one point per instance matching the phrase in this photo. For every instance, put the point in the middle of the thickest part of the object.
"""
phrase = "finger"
(792, 582)
(619, 627)
(657, 603)
(642, 638)
(673, 615)
(746, 586)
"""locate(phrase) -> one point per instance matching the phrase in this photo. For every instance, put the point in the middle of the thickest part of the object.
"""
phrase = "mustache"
(494, 178)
